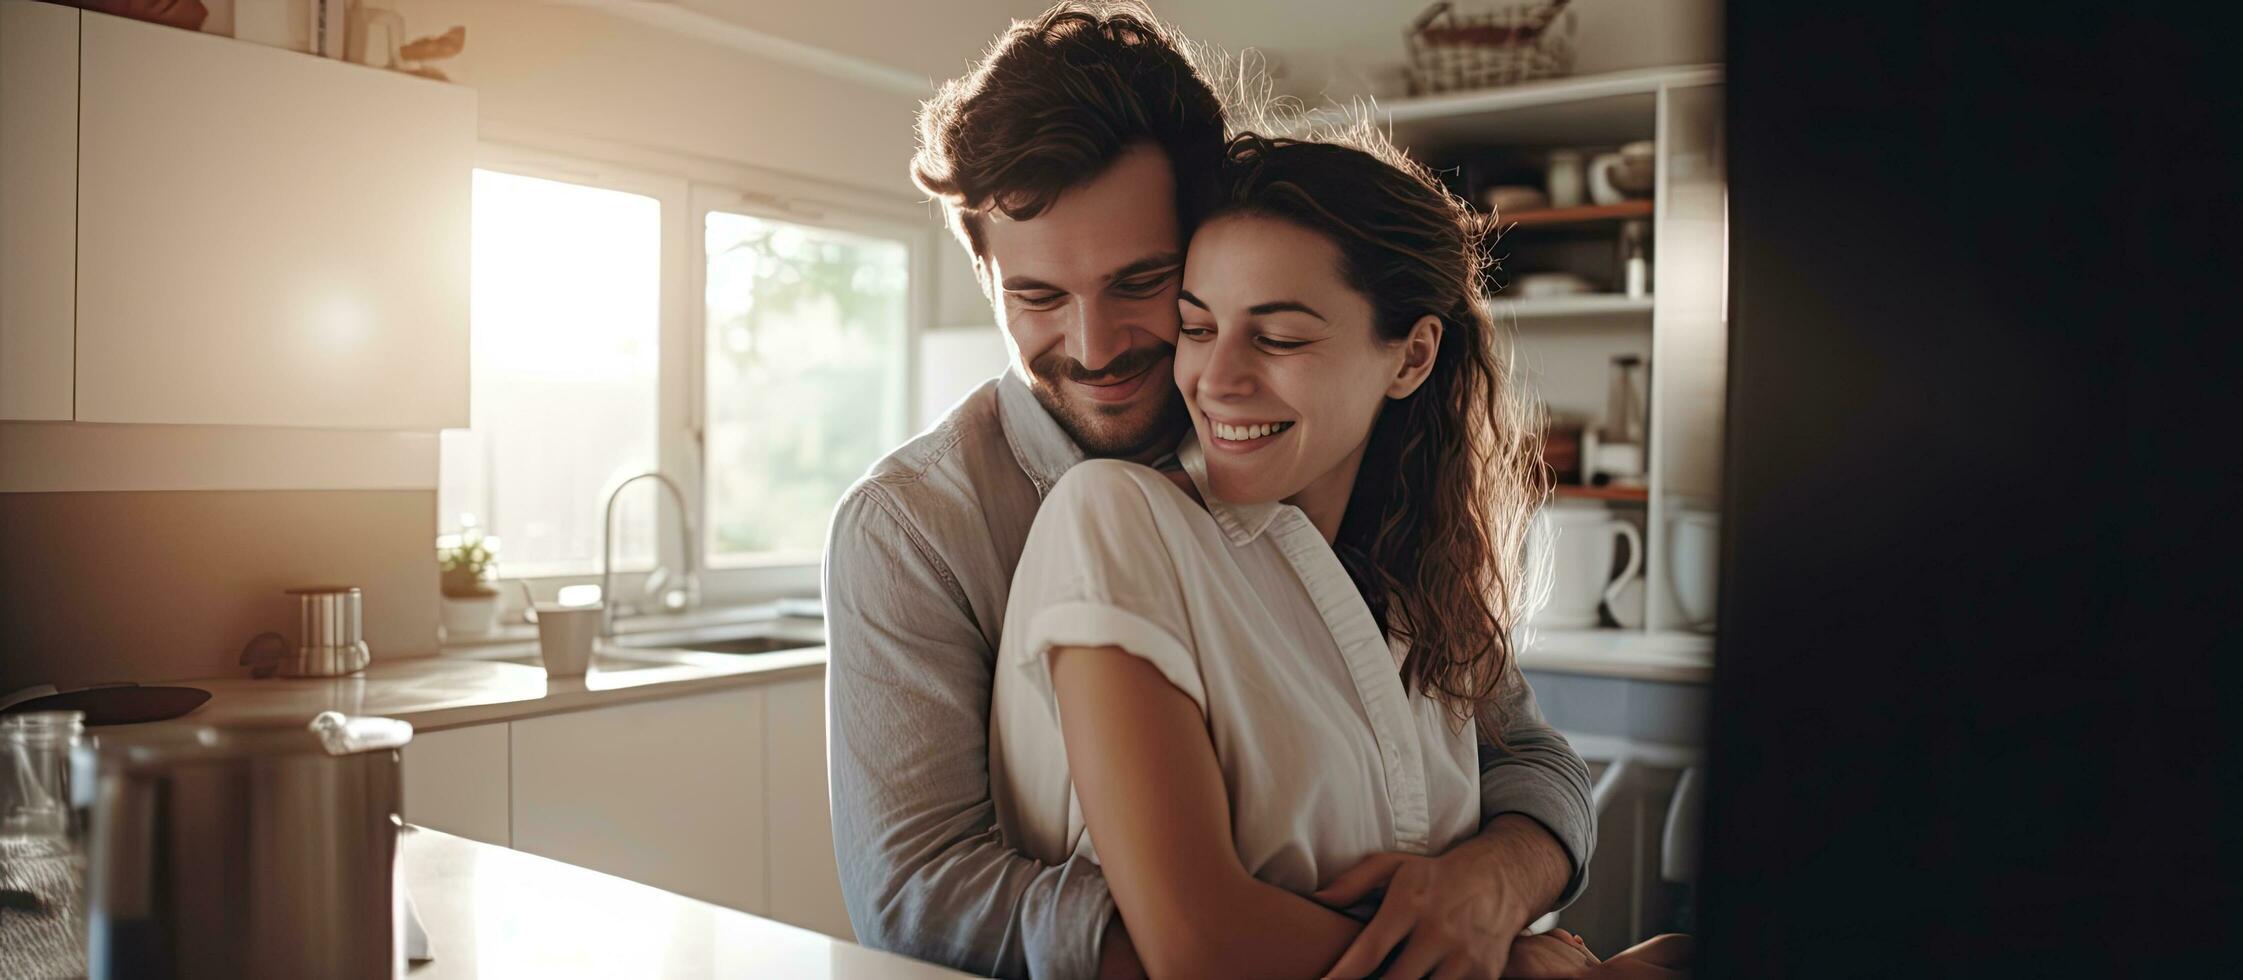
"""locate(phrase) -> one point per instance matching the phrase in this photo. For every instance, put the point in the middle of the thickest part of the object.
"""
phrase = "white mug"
(1694, 564)
(1578, 541)
(1564, 179)
(566, 638)
(1601, 190)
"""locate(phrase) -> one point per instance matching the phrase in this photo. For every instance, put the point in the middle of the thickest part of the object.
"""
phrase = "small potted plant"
(468, 559)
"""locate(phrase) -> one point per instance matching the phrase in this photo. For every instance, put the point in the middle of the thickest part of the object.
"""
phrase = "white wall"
(581, 72)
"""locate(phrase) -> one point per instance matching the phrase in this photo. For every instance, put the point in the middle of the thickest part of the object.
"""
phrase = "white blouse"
(1247, 610)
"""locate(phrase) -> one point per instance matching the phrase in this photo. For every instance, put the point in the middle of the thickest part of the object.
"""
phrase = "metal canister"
(250, 853)
(330, 633)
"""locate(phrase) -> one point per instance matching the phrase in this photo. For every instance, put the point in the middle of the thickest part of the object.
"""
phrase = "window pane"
(565, 315)
(805, 378)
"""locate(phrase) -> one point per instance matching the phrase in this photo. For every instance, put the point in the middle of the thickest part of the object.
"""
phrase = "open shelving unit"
(1578, 215)
(1586, 304)
(1566, 342)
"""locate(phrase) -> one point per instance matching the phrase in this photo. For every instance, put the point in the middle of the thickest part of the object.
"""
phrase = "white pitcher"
(1578, 541)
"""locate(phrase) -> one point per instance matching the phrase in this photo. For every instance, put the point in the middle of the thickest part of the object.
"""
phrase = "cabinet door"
(668, 793)
(455, 781)
(38, 207)
(267, 237)
(805, 881)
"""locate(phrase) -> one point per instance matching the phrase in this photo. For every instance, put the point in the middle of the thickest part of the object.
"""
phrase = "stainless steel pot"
(250, 853)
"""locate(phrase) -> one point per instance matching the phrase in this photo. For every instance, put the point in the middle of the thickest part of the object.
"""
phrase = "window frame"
(748, 574)
(687, 190)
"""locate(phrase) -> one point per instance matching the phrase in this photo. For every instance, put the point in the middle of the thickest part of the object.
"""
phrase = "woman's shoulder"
(1114, 486)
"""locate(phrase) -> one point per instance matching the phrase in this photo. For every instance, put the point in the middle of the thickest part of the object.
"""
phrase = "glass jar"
(42, 844)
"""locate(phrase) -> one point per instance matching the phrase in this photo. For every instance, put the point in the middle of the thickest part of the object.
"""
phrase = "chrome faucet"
(687, 591)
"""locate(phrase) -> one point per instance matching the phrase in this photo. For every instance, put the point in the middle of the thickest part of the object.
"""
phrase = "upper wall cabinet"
(263, 237)
(38, 207)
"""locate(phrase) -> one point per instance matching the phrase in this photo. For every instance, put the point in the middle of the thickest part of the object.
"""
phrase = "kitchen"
(463, 274)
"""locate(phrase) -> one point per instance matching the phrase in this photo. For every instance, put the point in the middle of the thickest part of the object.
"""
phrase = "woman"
(1245, 677)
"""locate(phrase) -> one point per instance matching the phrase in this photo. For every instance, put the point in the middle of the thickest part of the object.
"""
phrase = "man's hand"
(1455, 915)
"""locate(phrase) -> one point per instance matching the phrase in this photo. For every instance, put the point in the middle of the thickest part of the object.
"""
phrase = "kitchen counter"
(501, 681)
(492, 912)
(1671, 657)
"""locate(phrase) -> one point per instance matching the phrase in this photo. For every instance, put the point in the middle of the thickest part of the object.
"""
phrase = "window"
(565, 315)
(764, 397)
(804, 357)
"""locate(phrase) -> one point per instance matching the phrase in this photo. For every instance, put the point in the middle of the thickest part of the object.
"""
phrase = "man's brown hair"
(1051, 105)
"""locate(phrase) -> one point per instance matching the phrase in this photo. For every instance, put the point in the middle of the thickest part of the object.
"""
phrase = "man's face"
(1086, 292)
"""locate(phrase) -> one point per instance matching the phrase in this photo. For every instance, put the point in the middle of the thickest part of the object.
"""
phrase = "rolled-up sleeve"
(924, 871)
(1095, 573)
(1537, 774)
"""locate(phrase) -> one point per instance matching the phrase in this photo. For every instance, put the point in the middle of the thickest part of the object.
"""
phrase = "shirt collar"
(1039, 445)
(1241, 523)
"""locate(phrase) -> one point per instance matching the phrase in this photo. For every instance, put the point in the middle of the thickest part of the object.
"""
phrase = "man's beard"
(1125, 431)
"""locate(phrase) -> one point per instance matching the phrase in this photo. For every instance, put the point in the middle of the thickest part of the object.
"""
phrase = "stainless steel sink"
(735, 639)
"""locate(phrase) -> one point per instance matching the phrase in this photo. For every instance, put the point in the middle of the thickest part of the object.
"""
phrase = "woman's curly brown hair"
(1435, 530)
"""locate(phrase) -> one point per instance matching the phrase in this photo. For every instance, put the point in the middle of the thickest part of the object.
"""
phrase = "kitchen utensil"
(565, 636)
(1503, 200)
(1694, 564)
(250, 853)
(42, 881)
(364, 22)
(1541, 285)
(1562, 176)
(1626, 604)
(1616, 177)
(1577, 544)
(109, 704)
(1618, 463)
(1561, 448)
(1635, 258)
(329, 626)
(1638, 171)
(35, 751)
(1623, 405)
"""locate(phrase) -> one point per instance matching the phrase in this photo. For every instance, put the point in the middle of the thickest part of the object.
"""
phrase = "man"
(1072, 163)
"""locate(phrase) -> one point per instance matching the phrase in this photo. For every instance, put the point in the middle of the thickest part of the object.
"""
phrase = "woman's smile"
(1245, 437)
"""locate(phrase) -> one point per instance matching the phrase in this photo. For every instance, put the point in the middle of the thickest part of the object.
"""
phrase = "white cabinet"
(268, 238)
(206, 231)
(669, 793)
(38, 207)
(805, 881)
(455, 781)
(718, 796)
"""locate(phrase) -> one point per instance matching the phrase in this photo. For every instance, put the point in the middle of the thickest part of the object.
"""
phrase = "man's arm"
(1463, 908)
(1538, 775)
(923, 869)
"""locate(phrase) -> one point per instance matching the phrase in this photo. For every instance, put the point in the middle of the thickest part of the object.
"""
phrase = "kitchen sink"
(753, 638)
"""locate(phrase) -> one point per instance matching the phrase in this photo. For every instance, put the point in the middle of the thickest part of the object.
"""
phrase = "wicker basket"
(1451, 50)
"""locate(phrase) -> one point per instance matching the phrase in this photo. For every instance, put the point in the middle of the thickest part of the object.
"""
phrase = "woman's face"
(1279, 363)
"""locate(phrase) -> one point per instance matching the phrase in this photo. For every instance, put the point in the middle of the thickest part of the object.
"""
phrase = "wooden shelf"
(1586, 304)
(1624, 494)
(1585, 214)
(1579, 110)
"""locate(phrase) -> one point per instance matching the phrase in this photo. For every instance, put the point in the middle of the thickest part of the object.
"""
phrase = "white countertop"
(499, 681)
(1673, 657)
(492, 912)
